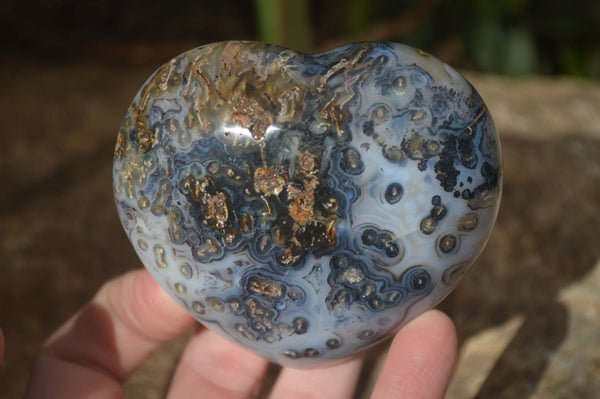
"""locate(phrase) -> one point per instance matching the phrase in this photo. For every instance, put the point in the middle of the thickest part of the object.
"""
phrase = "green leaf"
(520, 53)
(284, 22)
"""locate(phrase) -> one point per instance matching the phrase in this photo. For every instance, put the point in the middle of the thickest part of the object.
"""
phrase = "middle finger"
(212, 367)
(337, 381)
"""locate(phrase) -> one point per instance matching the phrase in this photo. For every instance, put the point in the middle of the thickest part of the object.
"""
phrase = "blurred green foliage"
(284, 22)
(517, 37)
(510, 37)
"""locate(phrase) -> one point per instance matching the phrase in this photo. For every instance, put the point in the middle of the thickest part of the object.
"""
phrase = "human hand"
(94, 353)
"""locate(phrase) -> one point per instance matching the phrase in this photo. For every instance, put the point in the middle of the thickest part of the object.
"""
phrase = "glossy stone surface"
(306, 207)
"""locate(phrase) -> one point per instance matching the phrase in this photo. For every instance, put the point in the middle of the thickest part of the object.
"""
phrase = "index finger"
(99, 347)
(420, 360)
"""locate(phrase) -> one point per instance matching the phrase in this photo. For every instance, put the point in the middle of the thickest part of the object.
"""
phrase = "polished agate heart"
(307, 206)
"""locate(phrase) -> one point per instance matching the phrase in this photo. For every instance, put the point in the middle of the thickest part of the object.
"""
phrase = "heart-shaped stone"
(307, 206)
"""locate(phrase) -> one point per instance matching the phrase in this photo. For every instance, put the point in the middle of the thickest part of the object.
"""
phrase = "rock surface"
(528, 315)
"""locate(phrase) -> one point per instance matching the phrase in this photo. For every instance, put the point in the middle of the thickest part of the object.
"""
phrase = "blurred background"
(528, 315)
(508, 37)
